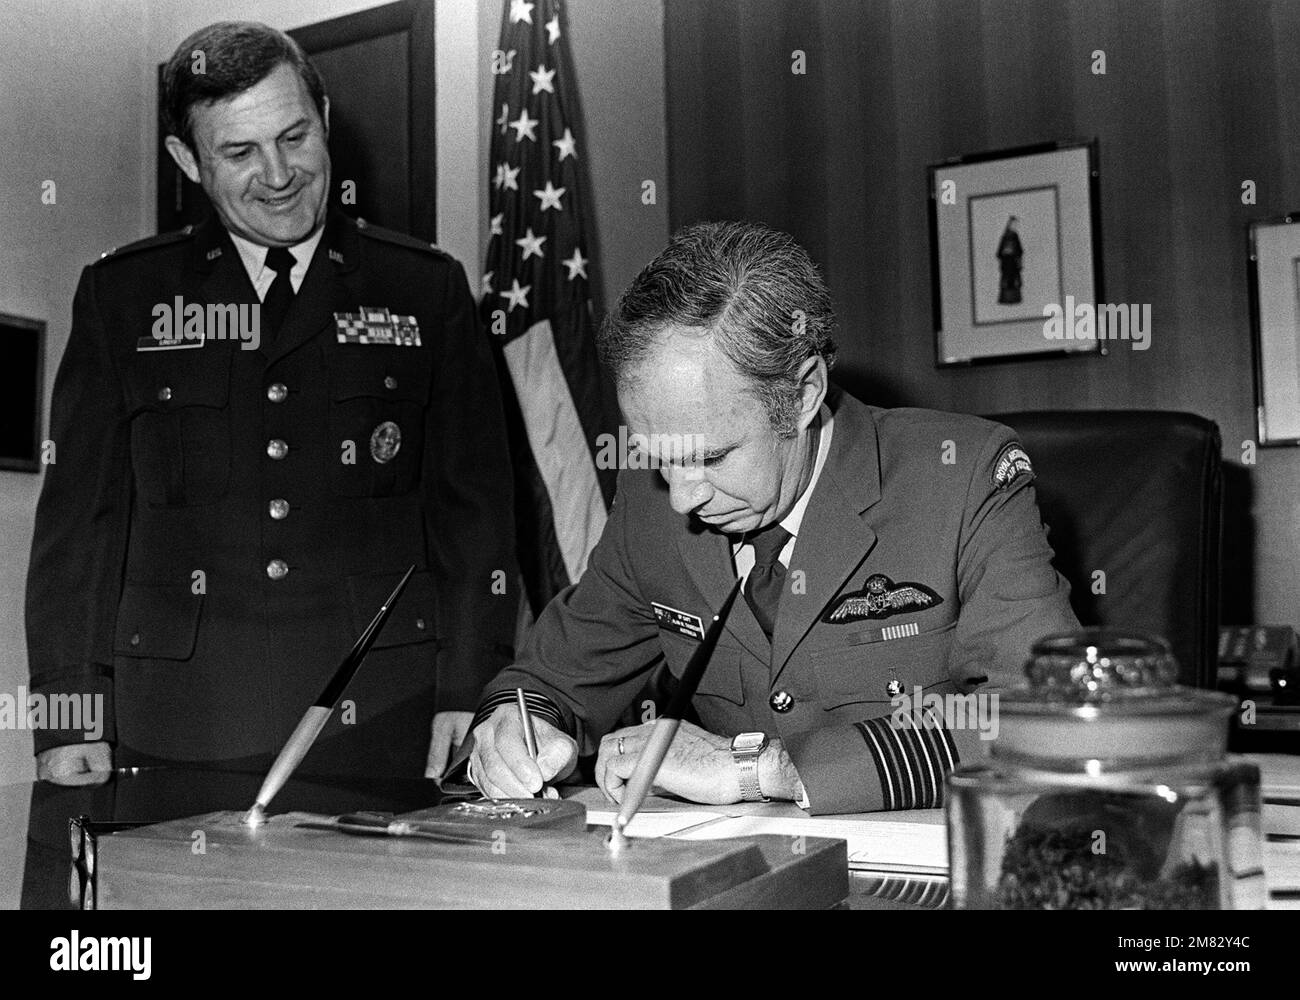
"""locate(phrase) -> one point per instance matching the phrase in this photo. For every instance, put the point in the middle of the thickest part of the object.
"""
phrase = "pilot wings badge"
(881, 597)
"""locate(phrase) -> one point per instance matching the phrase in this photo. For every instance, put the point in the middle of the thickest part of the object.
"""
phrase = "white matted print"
(1275, 300)
(1013, 235)
(1015, 252)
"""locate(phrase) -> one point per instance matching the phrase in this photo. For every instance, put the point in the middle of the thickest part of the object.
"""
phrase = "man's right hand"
(75, 764)
(500, 764)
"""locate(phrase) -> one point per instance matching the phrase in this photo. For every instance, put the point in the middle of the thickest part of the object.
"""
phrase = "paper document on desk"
(877, 845)
(1282, 820)
(654, 824)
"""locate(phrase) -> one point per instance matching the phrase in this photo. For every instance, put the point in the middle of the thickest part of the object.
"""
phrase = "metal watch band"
(747, 763)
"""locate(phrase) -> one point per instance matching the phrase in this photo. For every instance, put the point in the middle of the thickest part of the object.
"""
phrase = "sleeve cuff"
(538, 705)
(875, 765)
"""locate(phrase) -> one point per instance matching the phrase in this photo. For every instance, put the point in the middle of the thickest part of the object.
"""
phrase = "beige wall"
(78, 82)
(69, 114)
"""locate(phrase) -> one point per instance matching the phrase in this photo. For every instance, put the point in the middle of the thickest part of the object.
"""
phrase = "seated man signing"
(891, 557)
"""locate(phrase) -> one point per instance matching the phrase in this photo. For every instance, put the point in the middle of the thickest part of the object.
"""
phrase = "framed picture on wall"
(1015, 254)
(1274, 265)
(22, 392)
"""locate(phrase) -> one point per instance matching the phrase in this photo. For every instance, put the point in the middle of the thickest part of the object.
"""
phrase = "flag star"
(577, 264)
(549, 198)
(520, 11)
(531, 245)
(543, 79)
(504, 117)
(495, 228)
(523, 125)
(567, 145)
(487, 284)
(517, 296)
(499, 177)
(553, 29)
(509, 177)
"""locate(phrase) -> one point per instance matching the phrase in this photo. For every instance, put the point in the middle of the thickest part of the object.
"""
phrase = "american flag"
(536, 299)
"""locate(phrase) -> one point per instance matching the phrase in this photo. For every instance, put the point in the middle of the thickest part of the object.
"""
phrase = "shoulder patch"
(1012, 463)
(148, 243)
(400, 239)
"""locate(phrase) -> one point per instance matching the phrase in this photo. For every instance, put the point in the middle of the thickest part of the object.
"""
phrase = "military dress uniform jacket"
(921, 564)
(220, 524)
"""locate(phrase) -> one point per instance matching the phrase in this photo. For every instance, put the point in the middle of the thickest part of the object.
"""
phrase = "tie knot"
(280, 260)
(768, 544)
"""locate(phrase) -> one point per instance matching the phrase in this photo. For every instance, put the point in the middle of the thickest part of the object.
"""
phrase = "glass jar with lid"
(1108, 787)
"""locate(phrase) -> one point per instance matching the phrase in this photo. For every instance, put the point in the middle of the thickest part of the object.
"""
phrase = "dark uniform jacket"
(921, 562)
(220, 524)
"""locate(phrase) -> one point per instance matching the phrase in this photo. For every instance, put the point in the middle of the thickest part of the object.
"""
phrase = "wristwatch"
(745, 749)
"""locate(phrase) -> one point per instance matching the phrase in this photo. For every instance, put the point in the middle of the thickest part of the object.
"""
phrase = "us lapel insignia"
(1012, 462)
(881, 597)
(373, 325)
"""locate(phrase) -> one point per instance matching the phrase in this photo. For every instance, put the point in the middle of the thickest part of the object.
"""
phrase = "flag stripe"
(556, 435)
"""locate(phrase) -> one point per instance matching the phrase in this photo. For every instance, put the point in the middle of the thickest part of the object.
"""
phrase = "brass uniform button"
(781, 701)
(390, 382)
(278, 509)
(276, 449)
(277, 569)
(894, 688)
(164, 394)
(277, 392)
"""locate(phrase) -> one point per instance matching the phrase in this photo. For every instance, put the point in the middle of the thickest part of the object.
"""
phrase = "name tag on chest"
(691, 626)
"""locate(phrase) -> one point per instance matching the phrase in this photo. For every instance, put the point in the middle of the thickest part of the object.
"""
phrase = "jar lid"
(1111, 698)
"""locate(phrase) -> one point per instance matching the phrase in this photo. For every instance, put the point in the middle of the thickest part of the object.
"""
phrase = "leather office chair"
(1137, 495)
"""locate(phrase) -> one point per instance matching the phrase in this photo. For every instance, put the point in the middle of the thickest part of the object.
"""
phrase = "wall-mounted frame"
(22, 392)
(1012, 233)
(1274, 266)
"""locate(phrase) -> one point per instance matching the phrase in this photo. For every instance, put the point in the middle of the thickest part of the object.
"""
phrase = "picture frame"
(1273, 254)
(1013, 234)
(22, 392)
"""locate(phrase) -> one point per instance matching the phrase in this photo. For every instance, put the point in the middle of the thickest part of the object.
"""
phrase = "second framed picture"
(1016, 254)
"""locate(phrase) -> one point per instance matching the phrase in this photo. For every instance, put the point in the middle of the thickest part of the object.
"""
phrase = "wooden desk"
(34, 847)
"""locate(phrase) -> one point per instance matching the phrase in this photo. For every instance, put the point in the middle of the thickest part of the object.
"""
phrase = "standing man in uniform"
(260, 423)
(888, 555)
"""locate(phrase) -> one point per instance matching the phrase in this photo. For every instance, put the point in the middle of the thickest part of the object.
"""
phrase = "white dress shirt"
(254, 257)
(742, 552)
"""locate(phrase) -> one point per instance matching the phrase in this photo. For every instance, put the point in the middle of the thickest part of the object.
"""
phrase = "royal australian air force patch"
(881, 597)
(1012, 463)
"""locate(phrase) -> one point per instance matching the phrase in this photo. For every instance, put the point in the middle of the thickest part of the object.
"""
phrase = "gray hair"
(754, 290)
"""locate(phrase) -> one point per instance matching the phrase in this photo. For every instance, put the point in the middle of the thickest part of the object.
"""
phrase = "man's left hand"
(449, 732)
(698, 766)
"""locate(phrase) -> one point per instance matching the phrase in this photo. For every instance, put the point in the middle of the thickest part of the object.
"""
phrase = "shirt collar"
(254, 254)
(793, 520)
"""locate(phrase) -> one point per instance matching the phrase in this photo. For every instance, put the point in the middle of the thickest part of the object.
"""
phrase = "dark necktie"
(765, 581)
(280, 295)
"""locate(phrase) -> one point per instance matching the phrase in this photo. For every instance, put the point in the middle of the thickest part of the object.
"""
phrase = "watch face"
(749, 741)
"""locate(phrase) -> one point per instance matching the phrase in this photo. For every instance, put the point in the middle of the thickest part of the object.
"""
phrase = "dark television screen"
(22, 356)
